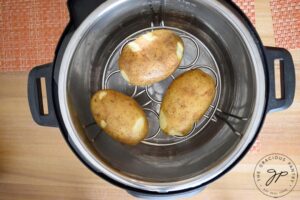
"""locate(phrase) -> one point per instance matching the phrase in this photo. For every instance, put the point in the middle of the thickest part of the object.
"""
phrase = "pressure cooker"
(218, 38)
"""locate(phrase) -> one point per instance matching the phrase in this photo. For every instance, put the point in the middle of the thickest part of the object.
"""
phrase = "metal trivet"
(195, 53)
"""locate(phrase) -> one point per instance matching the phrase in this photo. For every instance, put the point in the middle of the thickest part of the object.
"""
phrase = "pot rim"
(254, 124)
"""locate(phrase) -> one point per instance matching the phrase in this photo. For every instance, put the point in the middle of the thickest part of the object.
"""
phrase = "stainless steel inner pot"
(216, 39)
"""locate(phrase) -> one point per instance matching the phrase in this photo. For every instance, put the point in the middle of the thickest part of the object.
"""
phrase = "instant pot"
(218, 38)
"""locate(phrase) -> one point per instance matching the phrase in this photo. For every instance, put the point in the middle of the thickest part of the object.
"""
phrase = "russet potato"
(151, 57)
(186, 101)
(119, 116)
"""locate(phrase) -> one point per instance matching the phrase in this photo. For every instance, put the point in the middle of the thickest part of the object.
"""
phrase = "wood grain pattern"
(36, 163)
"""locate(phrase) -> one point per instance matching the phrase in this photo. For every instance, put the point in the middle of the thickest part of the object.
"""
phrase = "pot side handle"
(35, 98)
(287, 79)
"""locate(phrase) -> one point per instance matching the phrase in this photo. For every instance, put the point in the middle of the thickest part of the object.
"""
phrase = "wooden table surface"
(36, 163)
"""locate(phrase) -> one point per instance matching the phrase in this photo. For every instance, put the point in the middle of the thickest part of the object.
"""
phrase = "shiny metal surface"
(187, 164)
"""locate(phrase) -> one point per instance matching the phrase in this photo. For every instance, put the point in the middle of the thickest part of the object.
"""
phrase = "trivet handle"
(35, 96)
(287, 79)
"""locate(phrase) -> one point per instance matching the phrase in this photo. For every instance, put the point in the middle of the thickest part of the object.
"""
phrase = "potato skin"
(119, 116)
(152, 57)
(186, 101)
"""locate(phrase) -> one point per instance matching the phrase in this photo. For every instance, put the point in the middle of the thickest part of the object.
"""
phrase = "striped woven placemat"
(286, 23)
(30, 30)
